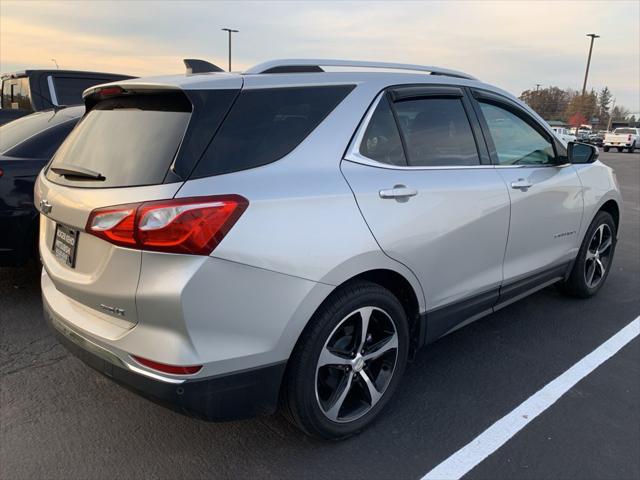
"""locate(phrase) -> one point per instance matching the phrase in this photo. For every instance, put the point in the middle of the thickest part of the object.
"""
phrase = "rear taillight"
(165, 368)
(629, 138)
(194, 225)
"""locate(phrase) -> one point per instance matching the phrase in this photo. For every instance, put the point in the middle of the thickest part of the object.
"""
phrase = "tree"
(585, 105)
(550, 103)
(577, 119)
(619, 113)
(604, 99)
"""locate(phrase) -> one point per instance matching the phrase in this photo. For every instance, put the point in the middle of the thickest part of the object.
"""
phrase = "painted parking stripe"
(500, 432)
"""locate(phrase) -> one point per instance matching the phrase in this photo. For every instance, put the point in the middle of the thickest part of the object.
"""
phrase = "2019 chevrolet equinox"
(227, 243)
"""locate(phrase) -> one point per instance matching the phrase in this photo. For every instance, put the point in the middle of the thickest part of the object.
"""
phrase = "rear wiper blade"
(75, 171)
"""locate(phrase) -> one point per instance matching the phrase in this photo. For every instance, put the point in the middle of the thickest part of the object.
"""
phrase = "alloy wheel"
(356, 364)
(598, 255)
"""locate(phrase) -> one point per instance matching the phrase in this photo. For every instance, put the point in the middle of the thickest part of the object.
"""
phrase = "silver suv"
(227, 243)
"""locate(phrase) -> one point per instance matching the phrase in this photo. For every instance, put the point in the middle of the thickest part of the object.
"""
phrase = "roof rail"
(297, 65)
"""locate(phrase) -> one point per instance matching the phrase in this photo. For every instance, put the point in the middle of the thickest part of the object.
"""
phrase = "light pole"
(537, 87)
(230, 30)
(586, 73)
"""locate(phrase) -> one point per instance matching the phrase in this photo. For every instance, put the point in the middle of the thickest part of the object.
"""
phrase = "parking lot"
(59, 419)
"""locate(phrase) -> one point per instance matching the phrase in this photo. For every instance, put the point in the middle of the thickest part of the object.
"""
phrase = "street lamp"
(586, 73)
(230, 30)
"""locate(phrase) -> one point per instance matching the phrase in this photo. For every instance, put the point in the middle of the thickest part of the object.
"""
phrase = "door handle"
(521, 184)
(401, 192)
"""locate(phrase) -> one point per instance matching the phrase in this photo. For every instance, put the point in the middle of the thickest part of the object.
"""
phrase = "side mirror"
(582, 152)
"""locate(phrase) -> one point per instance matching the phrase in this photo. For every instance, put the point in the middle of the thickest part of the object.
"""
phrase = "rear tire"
(327, 391)
(593, 263)
(606, 149)
(632, 147)
(620, 149)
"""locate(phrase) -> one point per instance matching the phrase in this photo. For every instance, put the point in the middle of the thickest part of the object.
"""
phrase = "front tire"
(593, 263)
(347, 363)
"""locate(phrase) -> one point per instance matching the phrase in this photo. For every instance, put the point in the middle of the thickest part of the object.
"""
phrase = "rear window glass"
(69, 90)
(632, 131)
(19, 130)
(265, 125)
(128, 140)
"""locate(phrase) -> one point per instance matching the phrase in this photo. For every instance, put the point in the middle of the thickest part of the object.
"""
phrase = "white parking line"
(500, 432)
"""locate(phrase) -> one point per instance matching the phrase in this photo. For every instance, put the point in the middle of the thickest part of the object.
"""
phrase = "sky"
(511, 44)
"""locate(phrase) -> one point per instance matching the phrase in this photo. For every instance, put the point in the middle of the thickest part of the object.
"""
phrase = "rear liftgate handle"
(401, 193)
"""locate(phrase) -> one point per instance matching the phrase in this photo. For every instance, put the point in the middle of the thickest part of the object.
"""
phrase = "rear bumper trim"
(231, 396)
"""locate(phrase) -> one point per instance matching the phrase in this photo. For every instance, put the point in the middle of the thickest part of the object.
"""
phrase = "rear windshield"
(129, 141)
(632, 131)
(19, 130)
(265, 125)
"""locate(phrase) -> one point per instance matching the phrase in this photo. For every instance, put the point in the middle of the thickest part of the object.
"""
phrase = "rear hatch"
(125, 150)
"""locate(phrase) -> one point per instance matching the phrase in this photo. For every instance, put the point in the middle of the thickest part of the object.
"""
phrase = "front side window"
(437, 132)
(381, 141)
(516, 142)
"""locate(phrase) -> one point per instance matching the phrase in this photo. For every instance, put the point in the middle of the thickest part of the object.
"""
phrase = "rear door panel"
(452, 234)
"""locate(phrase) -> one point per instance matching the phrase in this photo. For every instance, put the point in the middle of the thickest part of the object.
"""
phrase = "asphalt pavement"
(61, 420)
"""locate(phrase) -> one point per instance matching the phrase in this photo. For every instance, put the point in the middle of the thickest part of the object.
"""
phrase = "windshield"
(129, 140)
(17, 131)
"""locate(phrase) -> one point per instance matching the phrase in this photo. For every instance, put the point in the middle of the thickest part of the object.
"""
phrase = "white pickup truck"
(621, 138)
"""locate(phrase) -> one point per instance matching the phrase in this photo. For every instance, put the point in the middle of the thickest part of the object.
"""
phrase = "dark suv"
(34, 90)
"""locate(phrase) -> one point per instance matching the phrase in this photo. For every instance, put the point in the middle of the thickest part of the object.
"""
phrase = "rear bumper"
(223, 397)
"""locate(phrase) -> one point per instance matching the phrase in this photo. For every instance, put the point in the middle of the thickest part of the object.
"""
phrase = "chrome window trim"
(52, 91)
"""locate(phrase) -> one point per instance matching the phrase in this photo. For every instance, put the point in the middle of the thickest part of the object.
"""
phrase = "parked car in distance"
(30, 91)
(225, 243)
(597, 139)
(564, 135)
(26, 145)
(621, 138)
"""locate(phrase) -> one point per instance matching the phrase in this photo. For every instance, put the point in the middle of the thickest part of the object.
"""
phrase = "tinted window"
(437, 132)
(632, 131)
(16, 94)
(69, 90)
(265, 125)
(43, 145)
(17, 131)
(516, 142)
(381, 140)
(129, 140)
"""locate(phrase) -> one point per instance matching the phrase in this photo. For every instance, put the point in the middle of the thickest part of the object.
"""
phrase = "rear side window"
(69, 90)
(129, 140)
(265, 125)
(16, 94)
(43, 145)
(381, 141)
(437, 132)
